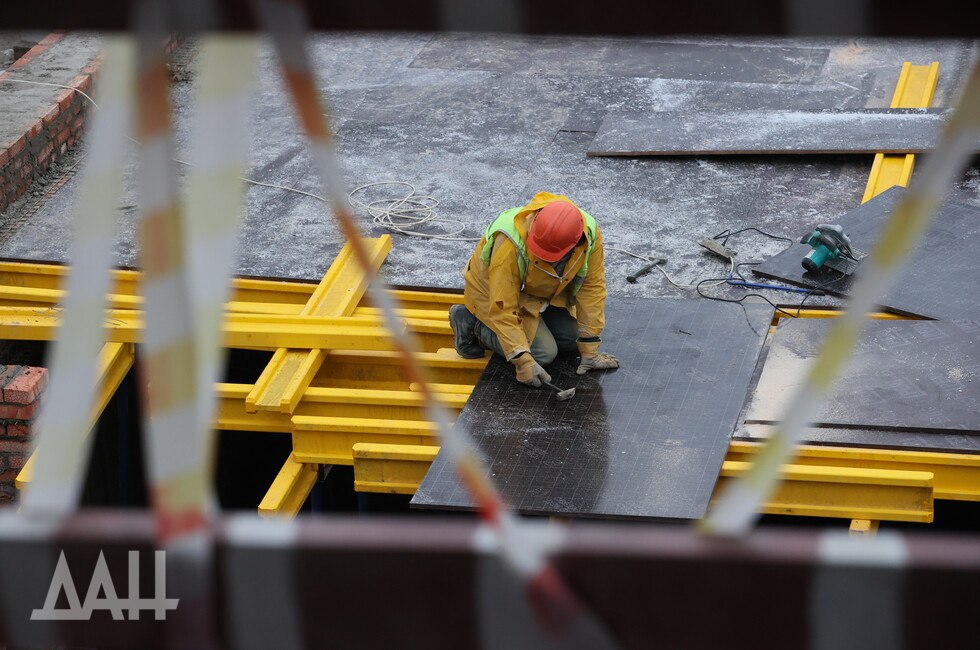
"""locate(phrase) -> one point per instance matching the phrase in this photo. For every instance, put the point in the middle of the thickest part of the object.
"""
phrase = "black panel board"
(917, 377)
(622, 58)
(644, 441)
(741, 132)
(939, 281)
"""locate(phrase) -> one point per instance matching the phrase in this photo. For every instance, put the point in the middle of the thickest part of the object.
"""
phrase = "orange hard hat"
(555, 231)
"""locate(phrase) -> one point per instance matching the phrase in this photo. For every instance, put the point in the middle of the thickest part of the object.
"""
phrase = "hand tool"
(646, 269)
(562, 394)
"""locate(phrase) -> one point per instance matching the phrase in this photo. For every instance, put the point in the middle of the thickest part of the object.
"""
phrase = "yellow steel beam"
(841, 492)
(397, 405)
(391, 469)
(423, 299)
(863, 528)
(30, 275)
(844, 492)
(289, 490)
(380, 369)
(114, 361)
(915, 89)
(290, 371)
(330, 440)
(248, 331)
(834, 313)
(955, 476)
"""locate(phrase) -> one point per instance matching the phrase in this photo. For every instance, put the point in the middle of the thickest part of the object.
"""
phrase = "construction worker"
(535, 286)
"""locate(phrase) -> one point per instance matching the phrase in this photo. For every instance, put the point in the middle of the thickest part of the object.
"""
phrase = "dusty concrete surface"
(483, 122)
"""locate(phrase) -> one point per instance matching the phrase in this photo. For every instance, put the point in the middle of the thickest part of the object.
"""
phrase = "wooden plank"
(865, 131)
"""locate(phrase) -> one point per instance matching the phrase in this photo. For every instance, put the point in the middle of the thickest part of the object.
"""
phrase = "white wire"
(407, 211)
(48, 83)
(659, 267)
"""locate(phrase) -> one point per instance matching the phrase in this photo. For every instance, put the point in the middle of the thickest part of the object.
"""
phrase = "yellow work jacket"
(495, 295)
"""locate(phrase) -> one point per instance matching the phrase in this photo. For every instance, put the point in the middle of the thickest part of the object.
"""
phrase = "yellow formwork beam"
(391, 469)
(840, 492)
(915, 89)
(330, 440)
(114, 361)
(37, 275)
(381, 369)
(290, 371)
(247, 331)
(844, 492)
(834, 313)
(289, 490)
(956, 477)
(370, 404)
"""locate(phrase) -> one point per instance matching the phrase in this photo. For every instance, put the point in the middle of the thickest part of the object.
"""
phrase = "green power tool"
(831, 248)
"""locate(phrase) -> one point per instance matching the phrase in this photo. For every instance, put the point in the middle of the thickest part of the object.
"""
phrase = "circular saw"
(831, 248)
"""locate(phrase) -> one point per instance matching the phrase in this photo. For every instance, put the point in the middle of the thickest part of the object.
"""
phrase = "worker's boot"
(464, 337)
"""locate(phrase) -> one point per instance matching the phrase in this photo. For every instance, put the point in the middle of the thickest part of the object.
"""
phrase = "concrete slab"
(482, 140)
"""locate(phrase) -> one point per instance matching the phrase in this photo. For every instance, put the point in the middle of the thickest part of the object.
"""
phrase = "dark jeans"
(557, 332)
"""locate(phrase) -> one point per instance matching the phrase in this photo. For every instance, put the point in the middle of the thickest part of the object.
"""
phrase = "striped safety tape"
(59, 467)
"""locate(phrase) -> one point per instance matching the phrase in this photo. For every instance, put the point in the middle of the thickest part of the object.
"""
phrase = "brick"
(63, 136)
(18, 411)
(9, 476)
(4, 157)
(18, 430)
(25, 387)
(15, 446)
(79, 123)
(17, 461)
(17, 146)
(46, 151)
(34, 129)
(65, 98)
(51, 116)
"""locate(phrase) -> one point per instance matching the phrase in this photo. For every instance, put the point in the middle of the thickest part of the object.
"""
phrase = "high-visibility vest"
(504, 223)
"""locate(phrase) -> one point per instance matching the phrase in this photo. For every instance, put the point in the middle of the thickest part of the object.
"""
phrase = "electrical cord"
(404, 213)
(724, 235)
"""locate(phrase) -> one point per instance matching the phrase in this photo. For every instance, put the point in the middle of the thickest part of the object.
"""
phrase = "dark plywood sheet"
(645, 441)
(908, 384)
(940, 280)
(623, 58)
(684, 133)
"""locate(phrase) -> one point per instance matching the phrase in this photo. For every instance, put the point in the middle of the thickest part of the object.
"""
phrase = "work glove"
(592, 359)
(529, 371)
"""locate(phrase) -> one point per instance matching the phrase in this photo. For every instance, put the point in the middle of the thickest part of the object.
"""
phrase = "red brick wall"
(20, 393)
(49, 137)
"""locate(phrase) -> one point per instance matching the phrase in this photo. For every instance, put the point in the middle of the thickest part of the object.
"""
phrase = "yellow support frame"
(330, 440)
(391, 469)
(915, 89)
(114, 361)
(956, 477)
(290, 371)
(838, 492)
(289, 490)
(844, 492)
(246, 331)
